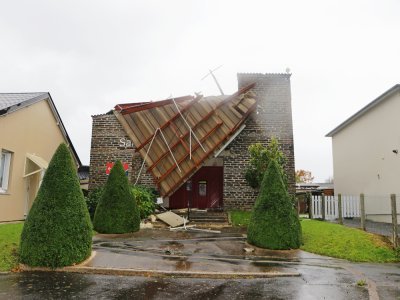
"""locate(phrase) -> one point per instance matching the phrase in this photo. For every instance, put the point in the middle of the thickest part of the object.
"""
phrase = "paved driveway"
(183, 265)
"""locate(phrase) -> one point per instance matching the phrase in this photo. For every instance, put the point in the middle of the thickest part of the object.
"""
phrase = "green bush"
(117, 211)
(274, 223)
(260, 156)
(145, 200)
(93, 199)
(57, 231)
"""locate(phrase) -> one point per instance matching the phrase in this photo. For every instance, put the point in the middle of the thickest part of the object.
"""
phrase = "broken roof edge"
(364, 110)
(135, 107)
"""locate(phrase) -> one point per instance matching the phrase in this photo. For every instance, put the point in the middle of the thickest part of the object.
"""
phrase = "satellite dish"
(288, 70)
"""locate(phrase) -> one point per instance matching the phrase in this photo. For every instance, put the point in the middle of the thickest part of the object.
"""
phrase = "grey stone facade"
(110, 143)
(274, 118)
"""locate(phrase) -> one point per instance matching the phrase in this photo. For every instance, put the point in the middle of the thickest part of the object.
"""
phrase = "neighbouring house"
(366, 154)
(83, 174)
(194, 149)
(30, 131)
(305, 190)
(315, 188)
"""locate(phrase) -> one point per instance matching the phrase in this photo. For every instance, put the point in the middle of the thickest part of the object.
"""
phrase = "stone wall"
(272, 118)
(110, 143)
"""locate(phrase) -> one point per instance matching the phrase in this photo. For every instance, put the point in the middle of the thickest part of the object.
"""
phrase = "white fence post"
(325, 207)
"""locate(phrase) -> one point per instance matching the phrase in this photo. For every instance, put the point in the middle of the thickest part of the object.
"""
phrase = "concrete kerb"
(81, 268)
(371, 285)
(163, 274)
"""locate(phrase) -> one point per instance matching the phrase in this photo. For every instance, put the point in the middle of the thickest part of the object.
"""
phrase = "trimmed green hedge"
(145, 200)
(274, 223)
(57, 231)
(117, 211)
(92, 200)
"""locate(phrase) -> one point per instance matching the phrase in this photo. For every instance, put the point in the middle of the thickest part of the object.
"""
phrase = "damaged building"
(203, 140)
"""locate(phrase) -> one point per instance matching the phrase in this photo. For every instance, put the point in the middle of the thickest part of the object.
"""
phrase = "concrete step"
(207, 217)
(209, 220)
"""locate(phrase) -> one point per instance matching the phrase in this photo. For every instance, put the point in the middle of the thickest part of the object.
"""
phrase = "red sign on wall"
(109, 166)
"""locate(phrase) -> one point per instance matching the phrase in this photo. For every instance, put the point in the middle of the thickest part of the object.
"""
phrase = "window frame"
(5, 169)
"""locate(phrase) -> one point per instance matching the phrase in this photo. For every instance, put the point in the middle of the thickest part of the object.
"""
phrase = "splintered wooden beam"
(177, 115)
(187, 154)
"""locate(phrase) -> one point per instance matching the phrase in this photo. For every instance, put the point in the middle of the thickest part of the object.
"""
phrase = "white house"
(366, 154)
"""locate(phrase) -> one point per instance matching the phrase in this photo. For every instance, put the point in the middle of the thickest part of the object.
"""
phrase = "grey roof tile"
(11, 99)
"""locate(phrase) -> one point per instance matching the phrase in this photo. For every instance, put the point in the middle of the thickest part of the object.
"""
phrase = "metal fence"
(374, 213)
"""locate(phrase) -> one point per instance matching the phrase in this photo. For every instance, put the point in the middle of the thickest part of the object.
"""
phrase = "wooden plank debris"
(172, 219)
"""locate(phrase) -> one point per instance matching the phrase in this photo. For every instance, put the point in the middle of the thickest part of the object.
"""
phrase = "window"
(203, 188)
(5, 161)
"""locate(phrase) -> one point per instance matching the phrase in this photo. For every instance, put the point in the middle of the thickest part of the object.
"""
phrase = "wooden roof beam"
(205, 118)
(195, 167)
(239, 92)
(135, 107)
(177, 115)
(187, 154)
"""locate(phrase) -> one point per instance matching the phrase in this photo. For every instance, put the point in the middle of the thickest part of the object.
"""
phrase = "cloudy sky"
(91, 55)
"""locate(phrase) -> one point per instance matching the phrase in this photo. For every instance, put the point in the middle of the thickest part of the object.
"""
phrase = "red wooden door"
(207, 190)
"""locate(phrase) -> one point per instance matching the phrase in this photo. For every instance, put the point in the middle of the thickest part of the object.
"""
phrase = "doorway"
(207, 190)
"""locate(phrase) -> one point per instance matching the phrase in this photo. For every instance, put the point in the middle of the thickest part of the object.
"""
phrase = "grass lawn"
(9, 243)
(240, 218)
(336, 240)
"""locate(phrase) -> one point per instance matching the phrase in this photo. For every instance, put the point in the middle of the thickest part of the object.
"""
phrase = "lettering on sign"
(125, 143)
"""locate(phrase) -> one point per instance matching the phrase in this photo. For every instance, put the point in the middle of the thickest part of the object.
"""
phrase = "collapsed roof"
(176, 136)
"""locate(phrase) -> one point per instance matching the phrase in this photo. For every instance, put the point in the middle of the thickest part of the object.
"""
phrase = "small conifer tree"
(274, 223)
(117, 211)
(57, 231)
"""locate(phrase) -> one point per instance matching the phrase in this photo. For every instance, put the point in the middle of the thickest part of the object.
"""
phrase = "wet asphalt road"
(333, 284)
(320, 277)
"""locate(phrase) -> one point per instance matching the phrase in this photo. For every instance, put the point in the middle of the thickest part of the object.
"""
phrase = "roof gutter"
(63, 130)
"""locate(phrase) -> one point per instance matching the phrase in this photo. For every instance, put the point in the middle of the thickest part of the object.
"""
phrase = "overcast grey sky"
(92, 55)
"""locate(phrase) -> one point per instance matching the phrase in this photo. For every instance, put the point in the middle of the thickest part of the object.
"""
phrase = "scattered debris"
(172, 219)
(153, 218)
(147, 225)
(182, 227)
(205, 230)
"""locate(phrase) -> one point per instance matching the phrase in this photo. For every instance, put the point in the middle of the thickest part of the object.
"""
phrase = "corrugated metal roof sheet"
(175, 143)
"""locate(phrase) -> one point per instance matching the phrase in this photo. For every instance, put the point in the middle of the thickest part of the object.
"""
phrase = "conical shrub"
(274, 223)
(117, 211)
(57, 231)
